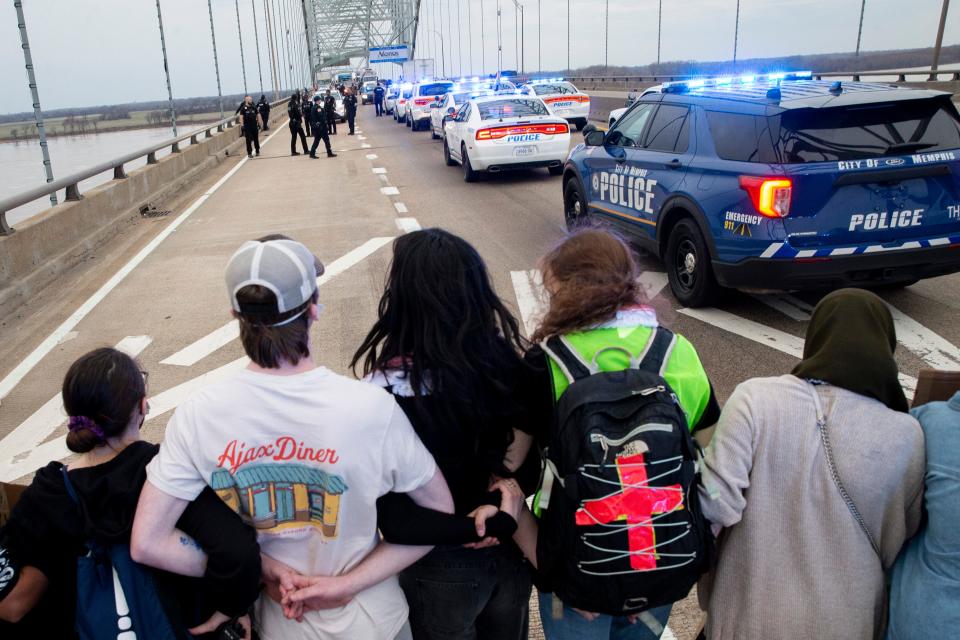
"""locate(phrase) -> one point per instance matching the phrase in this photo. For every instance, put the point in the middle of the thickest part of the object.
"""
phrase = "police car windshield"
(548, 89)
(460, 98)
(511, 108)
(435, 89)
(837, 134)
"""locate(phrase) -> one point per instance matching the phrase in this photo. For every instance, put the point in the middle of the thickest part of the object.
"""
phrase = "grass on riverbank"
(26, 130)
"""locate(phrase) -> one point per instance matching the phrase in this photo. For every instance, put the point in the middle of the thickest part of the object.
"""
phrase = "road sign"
(396, 53)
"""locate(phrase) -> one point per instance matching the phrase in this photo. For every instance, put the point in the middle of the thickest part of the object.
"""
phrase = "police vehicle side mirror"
(594, 137)
(451, 111)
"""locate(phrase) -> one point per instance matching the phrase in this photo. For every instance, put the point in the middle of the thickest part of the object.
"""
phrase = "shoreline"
(50, 134)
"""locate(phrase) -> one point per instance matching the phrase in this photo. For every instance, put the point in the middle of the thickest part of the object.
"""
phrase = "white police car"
(390, 99)
(400, 104)
(631, 98)
(499, 132)
(418, 105)
(563, 99)
(447, 105)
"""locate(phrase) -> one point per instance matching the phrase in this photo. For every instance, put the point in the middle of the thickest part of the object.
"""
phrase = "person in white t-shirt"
(302, 454)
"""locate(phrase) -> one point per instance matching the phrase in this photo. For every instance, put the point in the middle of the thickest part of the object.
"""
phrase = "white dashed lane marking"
(400, 207)
(379, 170)
(390, 191)
(407, 225)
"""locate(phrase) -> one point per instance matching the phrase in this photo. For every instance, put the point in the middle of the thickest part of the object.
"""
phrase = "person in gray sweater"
(816, 480)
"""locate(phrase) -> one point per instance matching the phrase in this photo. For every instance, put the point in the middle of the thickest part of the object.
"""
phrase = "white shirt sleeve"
(173, 470)
(406, 462)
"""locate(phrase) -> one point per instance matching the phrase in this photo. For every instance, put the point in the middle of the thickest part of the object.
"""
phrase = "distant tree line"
(822, 62)
(185, 106)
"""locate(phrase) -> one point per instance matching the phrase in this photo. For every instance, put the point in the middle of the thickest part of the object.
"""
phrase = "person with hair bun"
(598, 308)
(105, 398)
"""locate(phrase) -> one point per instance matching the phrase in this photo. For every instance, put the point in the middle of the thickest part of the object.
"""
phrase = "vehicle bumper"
(573, 114)
(831, 272)
(419, 115)
(497, 158)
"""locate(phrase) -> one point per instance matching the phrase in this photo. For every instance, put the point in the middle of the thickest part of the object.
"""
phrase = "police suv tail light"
(770, 196)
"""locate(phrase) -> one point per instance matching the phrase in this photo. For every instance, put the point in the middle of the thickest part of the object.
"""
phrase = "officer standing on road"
(264, 108)
(318, 122)
(350, 106)
(378, 94)
(305, 110)
(248, 122)
(296, 126)
(330, 109)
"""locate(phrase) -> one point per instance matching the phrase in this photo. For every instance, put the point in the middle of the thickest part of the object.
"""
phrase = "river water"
(21, 165)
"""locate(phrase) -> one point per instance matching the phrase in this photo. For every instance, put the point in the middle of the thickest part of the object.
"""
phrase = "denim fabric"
(925, 582)
(456, 593)
(572, 626)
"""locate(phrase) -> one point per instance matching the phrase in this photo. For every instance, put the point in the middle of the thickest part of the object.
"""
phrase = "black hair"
(455, 339)
(104, 386)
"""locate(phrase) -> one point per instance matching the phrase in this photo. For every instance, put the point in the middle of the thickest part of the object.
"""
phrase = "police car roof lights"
(681, 86)
(545, 80)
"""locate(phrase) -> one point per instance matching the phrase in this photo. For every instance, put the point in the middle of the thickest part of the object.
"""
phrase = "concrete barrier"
(56, 240)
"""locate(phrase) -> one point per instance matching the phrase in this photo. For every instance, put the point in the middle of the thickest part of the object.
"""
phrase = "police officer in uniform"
(248, 122)
(350, 106)
(330, 109)
(318, 123)
(296, 126)
(378, 94)
(264, 108)
(305, 110)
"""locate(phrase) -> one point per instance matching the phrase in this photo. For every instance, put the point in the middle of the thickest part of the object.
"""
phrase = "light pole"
(256, 43)
(216, 63)
(606, 36)
(659, 23)
(863, 6)
(443, 60)
(483, 51)
(539, 59)
(736, 33)
(936, 48)
(470, 33)
(523, 50)
(243, 65)
(568, 37)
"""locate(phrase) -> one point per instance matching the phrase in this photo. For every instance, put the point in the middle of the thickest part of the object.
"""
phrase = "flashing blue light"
(475, 79)
(747, 79)
(724, 81)
(777, 76)
(802, 75)
(695, 84)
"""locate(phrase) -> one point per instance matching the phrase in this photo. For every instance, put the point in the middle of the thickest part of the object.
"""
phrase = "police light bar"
(545, 80)
(679, 86)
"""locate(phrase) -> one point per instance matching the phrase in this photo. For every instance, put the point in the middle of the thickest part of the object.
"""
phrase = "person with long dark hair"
(104, 395)
(450, 352)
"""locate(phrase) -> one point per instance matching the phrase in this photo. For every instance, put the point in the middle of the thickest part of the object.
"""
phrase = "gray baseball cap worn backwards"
(285, 267)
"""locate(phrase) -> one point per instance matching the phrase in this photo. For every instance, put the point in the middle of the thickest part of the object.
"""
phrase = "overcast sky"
(89, 52)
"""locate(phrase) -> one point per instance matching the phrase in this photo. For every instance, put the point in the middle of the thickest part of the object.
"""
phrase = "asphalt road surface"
(157, 289)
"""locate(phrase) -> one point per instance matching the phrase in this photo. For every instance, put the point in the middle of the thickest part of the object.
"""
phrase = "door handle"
(674, 164)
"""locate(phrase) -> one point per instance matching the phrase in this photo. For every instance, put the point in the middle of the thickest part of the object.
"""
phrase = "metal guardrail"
(902, 74)
(71, 184)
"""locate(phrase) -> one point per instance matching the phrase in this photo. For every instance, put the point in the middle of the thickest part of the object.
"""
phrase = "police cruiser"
(446, 106)
(563, 99)
(778, 181)
(400, 105)
(423, 95)
(501, 132)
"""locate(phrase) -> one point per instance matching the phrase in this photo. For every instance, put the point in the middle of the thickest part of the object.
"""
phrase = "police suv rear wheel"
(433, 132)
(574, 206)
(469, 175)
(688, 266)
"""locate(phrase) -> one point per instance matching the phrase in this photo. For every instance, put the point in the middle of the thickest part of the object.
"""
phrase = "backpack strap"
(69, 485)
(658, 350)
(571, 364)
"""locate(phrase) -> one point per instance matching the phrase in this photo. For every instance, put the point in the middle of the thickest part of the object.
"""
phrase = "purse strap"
(831, 464)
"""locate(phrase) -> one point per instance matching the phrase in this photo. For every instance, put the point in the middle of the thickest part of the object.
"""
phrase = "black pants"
(320, 134)
(296, 129)
(253, 140)
(379, 105)
(351, 118)
(332, 124)
(468, 594)
(265, 118)
(306, 126)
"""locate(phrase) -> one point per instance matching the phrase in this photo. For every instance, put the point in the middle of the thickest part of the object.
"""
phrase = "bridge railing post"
(175, 148)
(5, 229)
(119, 173)
(73, 192)
(152, 157)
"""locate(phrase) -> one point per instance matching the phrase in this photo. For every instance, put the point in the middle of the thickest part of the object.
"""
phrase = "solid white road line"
(13, 378)
(200, 349)
(400, 207)
(372, 156)
(652, 283)
(931, 347)
(407, 225)
(528, 286)
(390, 191)
(762, 334)
(30, 434)
(379, 170)
(788, 305)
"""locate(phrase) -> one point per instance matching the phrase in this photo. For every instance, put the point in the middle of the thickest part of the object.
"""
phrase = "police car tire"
(469, 175)
(446, 154)
(574, 192)
(555, 171)
(581, 123)
(433, 133)
(696, 289)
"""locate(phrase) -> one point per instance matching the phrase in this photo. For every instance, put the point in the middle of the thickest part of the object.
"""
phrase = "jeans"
(469, 594)
(379, 105)
(573, 626)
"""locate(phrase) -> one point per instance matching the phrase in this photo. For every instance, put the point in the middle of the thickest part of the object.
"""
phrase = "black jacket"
(248, 115)
(264, 108)
(318, 119)
(378, 94)
(350, 103)
(47, 530)
(293, 110)
(330, 105)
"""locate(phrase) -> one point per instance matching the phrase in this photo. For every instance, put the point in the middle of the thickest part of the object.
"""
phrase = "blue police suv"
(778, 181)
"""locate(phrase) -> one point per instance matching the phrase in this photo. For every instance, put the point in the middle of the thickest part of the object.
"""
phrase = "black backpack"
(621, 529)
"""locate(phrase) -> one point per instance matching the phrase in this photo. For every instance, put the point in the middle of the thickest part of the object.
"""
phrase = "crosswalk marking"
(788, 305)
(928, 345)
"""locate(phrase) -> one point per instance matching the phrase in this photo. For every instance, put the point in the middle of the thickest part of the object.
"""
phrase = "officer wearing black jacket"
(378, 94)
(264, 108)
(330, 110)
(318, 122)
(248, 122)
(305, 109)
(296, 125)
(350, 106)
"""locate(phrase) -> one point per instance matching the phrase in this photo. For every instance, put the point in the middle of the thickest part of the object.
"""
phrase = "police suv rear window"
(842, 133)
(511, 108)
(437, 89)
